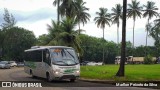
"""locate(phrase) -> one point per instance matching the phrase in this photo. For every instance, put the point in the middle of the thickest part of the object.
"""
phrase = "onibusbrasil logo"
(21, 84)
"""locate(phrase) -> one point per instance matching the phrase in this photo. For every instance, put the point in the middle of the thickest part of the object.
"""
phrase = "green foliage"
(69, 36)
(157, 46)
(134, 9)
(116, 15)
(152, 50)
(81, 13)
(1, 38)
(132, 72)
(148, 59)
(150, 10)
(62, 33)
(43, 40)
(154, 32)
(67, 8)
(103, 18)
(93, 48)
(16, 40)
(9, 20)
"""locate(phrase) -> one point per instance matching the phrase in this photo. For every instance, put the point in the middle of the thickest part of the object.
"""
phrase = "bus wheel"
(48, 77)
(31, 73)
(72, 80)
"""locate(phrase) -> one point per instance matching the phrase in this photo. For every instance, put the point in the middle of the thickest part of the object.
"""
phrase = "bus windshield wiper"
(72, 56)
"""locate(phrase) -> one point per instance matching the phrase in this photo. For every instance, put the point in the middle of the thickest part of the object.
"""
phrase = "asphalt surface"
(17, 74)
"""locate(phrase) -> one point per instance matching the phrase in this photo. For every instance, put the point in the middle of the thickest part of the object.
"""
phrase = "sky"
(34, 15)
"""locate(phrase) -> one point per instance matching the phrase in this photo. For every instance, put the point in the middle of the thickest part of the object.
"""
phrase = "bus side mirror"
(78, 54)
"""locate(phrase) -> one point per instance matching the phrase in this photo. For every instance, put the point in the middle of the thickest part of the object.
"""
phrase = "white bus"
(52, 63)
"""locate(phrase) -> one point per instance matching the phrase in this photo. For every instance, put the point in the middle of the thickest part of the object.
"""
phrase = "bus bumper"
(67, 77)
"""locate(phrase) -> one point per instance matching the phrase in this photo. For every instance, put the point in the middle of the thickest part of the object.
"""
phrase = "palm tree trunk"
(146, 38)
(117, 33)
(133, 32)
(118, 36)
(121, 71)
(58, 12)
(133, 39)
(103, 47)
(79, 27)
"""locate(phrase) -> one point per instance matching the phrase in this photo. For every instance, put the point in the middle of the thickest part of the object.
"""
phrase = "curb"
(112, 81)
(97, 81)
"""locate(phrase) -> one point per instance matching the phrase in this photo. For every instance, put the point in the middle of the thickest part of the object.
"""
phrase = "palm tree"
(102, 20)
(116, 16)
(69, 36)
(123, 53)
(54, 29)
(150, 11)
(64, 34)
(57, 3)
(134, 11)
(157, 22)
(154, 32)
(81, 14)
(68, 8)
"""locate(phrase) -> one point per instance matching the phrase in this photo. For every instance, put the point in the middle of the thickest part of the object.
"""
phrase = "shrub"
(148, 59)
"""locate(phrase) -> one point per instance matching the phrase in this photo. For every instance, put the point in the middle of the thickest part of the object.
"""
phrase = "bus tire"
(72, 80)
(48, 77)
(31, 73)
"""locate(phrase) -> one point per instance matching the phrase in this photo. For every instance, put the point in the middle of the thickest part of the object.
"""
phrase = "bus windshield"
(62, 56)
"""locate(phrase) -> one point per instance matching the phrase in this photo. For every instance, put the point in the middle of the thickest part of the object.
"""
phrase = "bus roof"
(45, 47)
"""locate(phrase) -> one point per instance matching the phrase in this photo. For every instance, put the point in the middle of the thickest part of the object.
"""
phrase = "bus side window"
(46, 57)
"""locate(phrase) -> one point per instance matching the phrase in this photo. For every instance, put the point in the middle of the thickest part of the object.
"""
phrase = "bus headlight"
(57, 71)
(78, 71)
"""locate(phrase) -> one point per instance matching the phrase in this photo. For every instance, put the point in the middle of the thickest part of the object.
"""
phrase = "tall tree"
(9, 20)
(134, 11)
(17, 40)
(102, 19)
(1, 42)
(121, 71)
(64, 34)
(116, 16)
(1, 37)
(43, 40)
(57, 3)
(69, 36)
(82, 16)
(154, 32)
(68, 8)
(93, 46)
(150, 12)
(157, 23)
(54, 29)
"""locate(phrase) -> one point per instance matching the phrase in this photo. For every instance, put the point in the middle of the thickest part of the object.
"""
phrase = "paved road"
(17, 74)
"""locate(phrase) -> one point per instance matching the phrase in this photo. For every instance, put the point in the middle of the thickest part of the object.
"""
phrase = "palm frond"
(150, 10)
(103, 18)
(134, 9)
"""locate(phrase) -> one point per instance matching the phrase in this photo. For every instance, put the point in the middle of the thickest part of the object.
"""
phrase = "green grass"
(132, 72)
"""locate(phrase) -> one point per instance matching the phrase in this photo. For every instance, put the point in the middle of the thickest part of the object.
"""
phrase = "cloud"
(26, 5)
(34, 16)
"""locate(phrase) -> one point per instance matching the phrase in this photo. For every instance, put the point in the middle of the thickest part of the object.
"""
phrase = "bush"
(148, 59)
